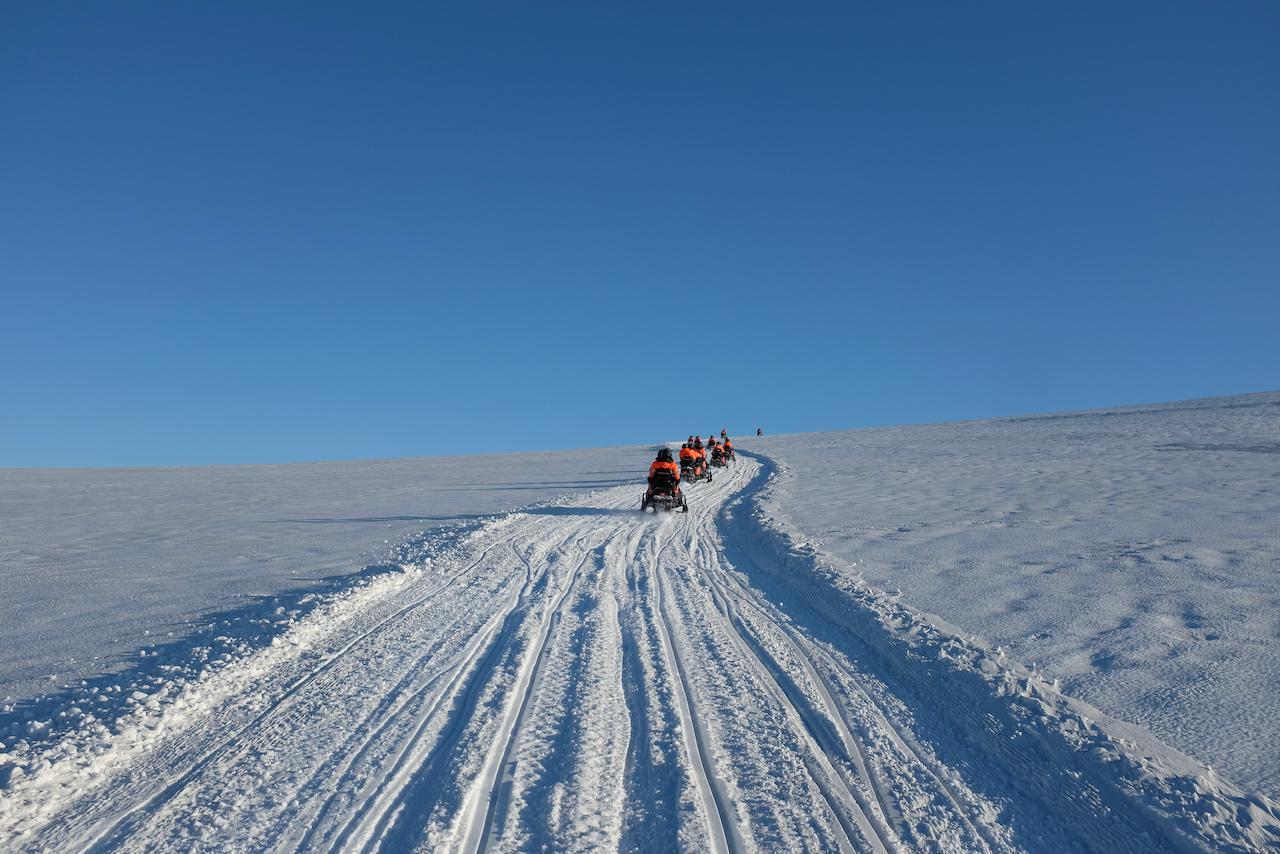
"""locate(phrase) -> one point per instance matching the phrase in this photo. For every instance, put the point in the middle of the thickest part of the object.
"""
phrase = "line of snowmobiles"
(665, 493)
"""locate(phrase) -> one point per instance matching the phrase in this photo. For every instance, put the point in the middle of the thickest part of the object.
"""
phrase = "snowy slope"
(97, 566)
(1134, 554)
(579, 676)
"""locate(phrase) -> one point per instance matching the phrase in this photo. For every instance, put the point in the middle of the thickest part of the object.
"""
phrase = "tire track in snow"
(722, 829)
(577, 729)
(494, 785)
(831, 724)
(852, 818)
(173, 787)
(860, 822)
(649, 786)
(385, 816)
(451, 674)
(365, 733)
(422, 718)
(808, 654)
(564, 728)
(850, 746)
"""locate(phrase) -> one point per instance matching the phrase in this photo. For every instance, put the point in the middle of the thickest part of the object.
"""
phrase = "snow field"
(979, 709)
(1133, 554)
(583, 676)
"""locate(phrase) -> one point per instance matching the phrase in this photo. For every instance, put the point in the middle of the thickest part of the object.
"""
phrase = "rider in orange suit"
(687, 453)
(664, 463)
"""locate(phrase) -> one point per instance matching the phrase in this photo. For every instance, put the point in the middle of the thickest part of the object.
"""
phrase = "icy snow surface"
(1132, 553)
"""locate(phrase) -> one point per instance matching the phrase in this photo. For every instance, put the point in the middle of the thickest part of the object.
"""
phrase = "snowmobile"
(695, 470)
(665, 495)
(718, 458)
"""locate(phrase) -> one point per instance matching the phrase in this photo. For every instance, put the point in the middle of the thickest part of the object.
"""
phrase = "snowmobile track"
(721, 829)
(103, 840)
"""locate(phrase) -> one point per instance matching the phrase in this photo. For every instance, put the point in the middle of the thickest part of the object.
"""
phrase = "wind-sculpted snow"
(580, 676)
(1133, 553)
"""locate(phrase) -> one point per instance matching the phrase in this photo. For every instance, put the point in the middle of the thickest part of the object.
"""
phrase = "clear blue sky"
(262, 232)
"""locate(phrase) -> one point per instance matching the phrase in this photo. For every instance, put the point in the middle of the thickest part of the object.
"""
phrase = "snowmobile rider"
(728, 447)
(687, 455)
(699, 457)
(664, 462)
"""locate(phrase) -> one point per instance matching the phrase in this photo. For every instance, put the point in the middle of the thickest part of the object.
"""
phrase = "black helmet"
(664, 455)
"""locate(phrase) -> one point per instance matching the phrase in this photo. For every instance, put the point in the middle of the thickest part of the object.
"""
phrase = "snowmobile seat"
(664, 482)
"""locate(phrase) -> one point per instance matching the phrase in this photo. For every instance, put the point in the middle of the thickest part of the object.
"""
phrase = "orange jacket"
(687, 453)
(728, 446)
(658, 465)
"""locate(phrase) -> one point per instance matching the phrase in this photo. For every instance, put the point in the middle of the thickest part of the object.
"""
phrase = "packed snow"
(1133, 554)
(578, 675)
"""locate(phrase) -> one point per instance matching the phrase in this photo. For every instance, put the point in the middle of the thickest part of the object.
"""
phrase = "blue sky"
(287, 231)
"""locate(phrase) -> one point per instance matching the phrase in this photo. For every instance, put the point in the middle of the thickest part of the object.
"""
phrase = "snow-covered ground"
(100, 565)
(580, 676)
(1132, 553)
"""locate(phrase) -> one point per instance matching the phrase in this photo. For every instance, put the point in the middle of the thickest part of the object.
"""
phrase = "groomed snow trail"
(580, 677)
